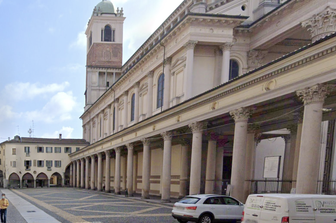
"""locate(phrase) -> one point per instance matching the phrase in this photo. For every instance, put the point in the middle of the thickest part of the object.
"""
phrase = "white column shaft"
(107, 172)
(92, 177)
(87, 173)
(71, 181)
(82, 174)
(136, 103)
(219, 170)
(249, 163)
(185, 156)
(117, 172)
(196, 160)
(188, 75)
(210, 167)
(146, 171)
(100, 170)
(166, 170)
(310, 149)
(77, 175)
(130, 171)
(225, 65)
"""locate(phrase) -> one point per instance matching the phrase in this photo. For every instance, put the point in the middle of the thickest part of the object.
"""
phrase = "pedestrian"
(3, 208)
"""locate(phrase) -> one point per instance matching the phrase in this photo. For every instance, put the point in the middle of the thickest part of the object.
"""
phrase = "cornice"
(220, 92)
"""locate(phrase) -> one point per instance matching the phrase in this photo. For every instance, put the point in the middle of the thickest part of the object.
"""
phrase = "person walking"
(3, 208)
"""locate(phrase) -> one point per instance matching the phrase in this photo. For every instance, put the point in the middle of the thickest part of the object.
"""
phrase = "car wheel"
(182, 221)
(205, 219)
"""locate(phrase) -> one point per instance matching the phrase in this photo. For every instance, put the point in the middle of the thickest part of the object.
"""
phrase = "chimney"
(60, 136)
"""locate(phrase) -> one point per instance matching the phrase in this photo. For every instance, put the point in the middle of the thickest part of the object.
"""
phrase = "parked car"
(290, 208)
(208, 208)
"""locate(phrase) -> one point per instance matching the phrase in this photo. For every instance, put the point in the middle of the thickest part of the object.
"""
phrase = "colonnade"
(301, 157)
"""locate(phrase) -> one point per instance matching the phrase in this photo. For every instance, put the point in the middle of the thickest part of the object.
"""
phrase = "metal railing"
(285, 186)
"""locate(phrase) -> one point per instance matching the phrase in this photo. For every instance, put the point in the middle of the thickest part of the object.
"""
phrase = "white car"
(208, 208)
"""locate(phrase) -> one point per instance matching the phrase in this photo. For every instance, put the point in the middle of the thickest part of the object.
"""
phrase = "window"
(27, 164)
(107, 34)
(48, 149)
(40, 163)
(159, 100)
(49, 163)
(58, 150)
(132, 107)
(67, 149)
(77, 149)
(234, 69)
(13, 163)
(13, 151)
(230, 201)
(107, 84)
(213, 200)
(58, 163)
(114, 110)
(27, 149)
(40, 149)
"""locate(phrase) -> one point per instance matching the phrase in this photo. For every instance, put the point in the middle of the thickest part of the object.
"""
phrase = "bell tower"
(104, 35)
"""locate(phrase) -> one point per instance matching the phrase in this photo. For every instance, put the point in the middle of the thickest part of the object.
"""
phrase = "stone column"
(100, 171)
(117, 171)
(185, 156)
(91, 131)
(297, 151)
(74, 174)
(125, 114)
(87, 183)
(288, 175)
(92, 172)
(313, 99)
(240, 116)
(219, 170)
(188, 75)
(130, 169)
(196, 158)
(97, 128)
(210, 166)
(78, 174)
(146, 169)
(102, 125)
(287, 172)
(150, 94)
(107, 171)
(136, 102)
(107, 117)
(166, 166)
(167, 76)
(71, 180)
(252, 133)
(116, 115)
(226, 48)
(82, 174)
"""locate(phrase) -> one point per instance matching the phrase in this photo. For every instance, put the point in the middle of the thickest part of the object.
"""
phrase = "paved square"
(79, 205)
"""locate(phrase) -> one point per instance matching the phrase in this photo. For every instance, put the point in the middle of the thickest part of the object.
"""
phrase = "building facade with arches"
(37, 162)
(185, 113)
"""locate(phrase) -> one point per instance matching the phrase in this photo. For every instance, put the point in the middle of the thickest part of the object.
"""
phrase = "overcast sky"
(42, 60)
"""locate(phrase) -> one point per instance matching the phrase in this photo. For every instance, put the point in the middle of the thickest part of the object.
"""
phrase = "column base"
(145, 197)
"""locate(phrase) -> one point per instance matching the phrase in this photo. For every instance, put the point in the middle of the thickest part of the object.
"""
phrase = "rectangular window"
(48, 149)
(58, 150)
(57, 163)
(49, 163)
(27, 149)
(67, 149)
(40, 163)
(77, 149)
(27, 164)
(14, 164)
(40, 149)
(13, 151)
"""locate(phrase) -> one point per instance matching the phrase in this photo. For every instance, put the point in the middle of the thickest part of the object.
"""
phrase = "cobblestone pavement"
(79, 205)
(13, 215)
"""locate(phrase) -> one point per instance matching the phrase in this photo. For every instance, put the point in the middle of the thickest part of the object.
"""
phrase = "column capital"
(292, 128)
(87, 158)
(322, 24)
(316, 93)
(241, 114)
(99, 155)
(137, 84)
(167, 136)
(168, 61)
(116, 100)
(197, 127)
(146, 142)
(125, 93)
(190, 44)
(93, 156)
(226, 46)
(107, 153)
(117, 150)
(130, 146)
(150, 74)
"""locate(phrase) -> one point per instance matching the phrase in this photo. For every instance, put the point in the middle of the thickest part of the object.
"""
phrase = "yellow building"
(184, 113)
(31, 162)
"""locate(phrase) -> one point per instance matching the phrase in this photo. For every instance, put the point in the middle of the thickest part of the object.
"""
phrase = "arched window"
(234, 69)
(159, 100)
(107, 34)
(132, 107)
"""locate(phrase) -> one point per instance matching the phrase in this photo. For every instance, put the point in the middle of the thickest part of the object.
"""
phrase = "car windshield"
(189, 200)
